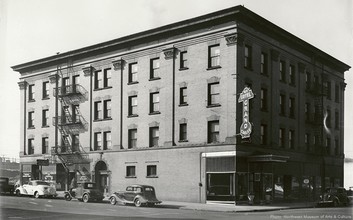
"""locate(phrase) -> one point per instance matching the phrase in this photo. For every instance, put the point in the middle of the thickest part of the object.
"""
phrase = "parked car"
(36, 188)
(350, 195)
(86, 192)
(334, 196)
(5, 187)
(136, 194)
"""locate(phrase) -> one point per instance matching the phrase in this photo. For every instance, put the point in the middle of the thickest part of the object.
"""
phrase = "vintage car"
(86, 192)
(36, 188)
(5, 187)
(334, 196)
(136, 194)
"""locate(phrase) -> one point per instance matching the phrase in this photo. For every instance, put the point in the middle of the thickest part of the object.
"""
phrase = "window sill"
(130, 177)
(132, 83)
(213, 105)
(183, 68)
(213, 67)
(183, 141)
(45, 98)
(31, 100)
(98, 89)
(154, 113)
(153, 79)
(151, 176)
(185, 104)
(31, 127)
(105, 119)
(45, 126)
(132, 116)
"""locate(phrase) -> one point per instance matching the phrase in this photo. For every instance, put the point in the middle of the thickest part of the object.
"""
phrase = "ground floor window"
(220, 186)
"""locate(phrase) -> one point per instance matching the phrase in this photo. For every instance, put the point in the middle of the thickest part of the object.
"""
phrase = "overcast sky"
(33, 29)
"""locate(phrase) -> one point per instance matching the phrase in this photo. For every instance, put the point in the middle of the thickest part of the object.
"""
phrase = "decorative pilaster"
(169, 52)
(22, 85)
(274, 55)
(118, 64)
(87, 70)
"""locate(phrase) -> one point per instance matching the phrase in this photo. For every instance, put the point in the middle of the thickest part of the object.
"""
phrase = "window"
(45, 117)
(132, 138)
(183, 96)
(45, 145)
(291, 139)
(64, 142)
(31, 119)
(263, 134)
(328, 145)
(97, 141)
(76, 113)
(154, 102)
(328, 90)
(281, 137)
(98, 80)
(107, 78)
(263, 67)
(45, 90)
(30, 146)
(291, 107)
(132, 106)
(307, 142)
(130, 171)
(282, 71)
(247, 57)
(291, 74)
(154, 68)
(183, 60)
(133, 72)
(213, 132)
(282, 102)
(307, 112)
(213, 94)
(337, 147)
(183, 132)
(214, 54)
(75, 142)
(151, 170)
(98, 113)
(337, 93)
(107, 109)
(263, 101)
(337, 120)
(31, 93)
(154, 136)
(107, 140)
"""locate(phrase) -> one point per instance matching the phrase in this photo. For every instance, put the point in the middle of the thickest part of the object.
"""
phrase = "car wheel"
(67, 197)
(36, 195)
(112, 200)
(18, 193)
(137, 202)
(85, 198)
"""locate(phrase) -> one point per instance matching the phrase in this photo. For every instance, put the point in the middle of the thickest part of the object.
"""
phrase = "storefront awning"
(268, 158)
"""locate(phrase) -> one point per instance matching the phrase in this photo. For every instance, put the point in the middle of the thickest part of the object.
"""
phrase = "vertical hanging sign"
(245, 96)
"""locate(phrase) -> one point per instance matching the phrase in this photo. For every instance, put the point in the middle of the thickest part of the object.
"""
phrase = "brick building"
(163, 107)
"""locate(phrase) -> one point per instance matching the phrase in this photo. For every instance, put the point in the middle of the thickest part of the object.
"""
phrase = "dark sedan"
(136, 194)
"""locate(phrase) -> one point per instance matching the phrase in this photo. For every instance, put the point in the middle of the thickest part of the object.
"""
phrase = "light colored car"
(36, 188)
(136, 194)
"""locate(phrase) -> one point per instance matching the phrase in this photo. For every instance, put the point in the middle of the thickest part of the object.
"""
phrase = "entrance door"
(102, 177)
(220, 187)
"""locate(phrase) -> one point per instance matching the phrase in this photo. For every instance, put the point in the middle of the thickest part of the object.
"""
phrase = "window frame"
(183, 135)
(214, 56)
(264, 64)
(154, 105)
(263, 134)
(247, 57)
(98, 80)
(30, 146)
(107, 140)
(133, 71)
(31, 119)
(151, 171)
(154, 138)
(132, 108)
(281, 138)
(130, 172)
(263, 99)
(45, 118)
(31, 93)
(97, 146)
(132, 138)
(183, 60)
(292, 75)
(107, 109)
(107, 78)
(45, 145)
(155, 68)
(183, 96)
(98, 110)
(210, 95)
(212, 132)
(45, 90)
(282, 71)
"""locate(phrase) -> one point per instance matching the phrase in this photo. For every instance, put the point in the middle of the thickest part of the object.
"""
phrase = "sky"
(35, 29)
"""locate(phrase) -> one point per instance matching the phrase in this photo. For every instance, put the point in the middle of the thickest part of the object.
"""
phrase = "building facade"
(164, 107)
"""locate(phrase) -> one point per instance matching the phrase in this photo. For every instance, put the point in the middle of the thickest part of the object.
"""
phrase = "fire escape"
(70, 123)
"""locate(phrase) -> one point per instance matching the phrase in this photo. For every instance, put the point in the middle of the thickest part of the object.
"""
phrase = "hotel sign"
(245, 128)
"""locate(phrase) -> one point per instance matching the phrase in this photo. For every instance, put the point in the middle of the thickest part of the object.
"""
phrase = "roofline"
(240, 12)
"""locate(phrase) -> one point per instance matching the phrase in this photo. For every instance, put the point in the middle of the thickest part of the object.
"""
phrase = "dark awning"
(268, 158)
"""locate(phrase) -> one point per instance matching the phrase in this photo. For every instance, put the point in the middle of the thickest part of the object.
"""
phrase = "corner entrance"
(102, 177)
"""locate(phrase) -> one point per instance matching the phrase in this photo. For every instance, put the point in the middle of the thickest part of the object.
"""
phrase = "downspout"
(121, 103)
(90, 109)
(173, 100)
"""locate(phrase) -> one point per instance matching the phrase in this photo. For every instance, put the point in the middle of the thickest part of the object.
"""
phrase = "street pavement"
(219, 207)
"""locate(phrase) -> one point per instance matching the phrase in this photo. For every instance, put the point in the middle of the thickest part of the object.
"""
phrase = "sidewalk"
(217, 207)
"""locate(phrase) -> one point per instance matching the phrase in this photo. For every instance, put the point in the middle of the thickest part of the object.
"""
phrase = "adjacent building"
(217, 107)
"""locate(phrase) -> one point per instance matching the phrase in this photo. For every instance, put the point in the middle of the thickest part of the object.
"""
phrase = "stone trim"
(118, 64)
(22, 85)
(153, 124)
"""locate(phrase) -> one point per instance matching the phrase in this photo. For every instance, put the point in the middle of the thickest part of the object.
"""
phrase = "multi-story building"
(164, 107)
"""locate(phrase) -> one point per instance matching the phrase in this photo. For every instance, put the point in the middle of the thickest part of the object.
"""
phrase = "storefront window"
(278, 194)
(242, 190)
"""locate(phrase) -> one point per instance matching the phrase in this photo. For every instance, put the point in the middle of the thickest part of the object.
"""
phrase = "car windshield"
(89, 186)
(40, 183)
